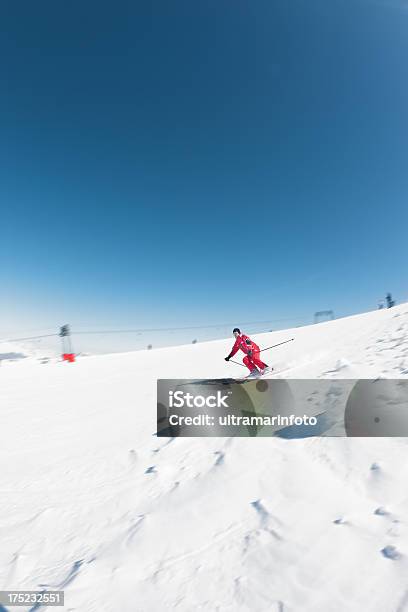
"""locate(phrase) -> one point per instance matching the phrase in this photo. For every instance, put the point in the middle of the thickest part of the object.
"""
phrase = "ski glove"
(249, 353)
(227, 358)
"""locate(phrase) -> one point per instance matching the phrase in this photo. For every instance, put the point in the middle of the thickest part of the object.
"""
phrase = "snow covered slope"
(92, 502)
(10, 351)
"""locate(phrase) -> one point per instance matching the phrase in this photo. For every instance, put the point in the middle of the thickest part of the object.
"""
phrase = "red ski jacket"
(245, 344)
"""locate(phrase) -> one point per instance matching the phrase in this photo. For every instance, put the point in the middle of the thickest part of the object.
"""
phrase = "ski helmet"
(236, 329)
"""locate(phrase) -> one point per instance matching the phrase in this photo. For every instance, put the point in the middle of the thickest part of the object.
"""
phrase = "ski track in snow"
(94, 503)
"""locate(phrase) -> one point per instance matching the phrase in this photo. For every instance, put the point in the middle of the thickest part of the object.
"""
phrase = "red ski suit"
(245, 344)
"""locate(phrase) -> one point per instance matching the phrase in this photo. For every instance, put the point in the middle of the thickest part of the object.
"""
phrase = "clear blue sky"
(176, 163)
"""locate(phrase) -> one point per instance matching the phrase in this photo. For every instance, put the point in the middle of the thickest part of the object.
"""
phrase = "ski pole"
(237, 362)
(274, 345)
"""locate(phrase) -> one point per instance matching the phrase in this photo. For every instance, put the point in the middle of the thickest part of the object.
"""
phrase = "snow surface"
(93, 503)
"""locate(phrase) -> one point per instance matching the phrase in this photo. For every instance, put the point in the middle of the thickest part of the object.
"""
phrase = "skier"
(252, 354)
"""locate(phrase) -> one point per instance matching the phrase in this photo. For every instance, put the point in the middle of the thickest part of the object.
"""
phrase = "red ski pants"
(254, 361)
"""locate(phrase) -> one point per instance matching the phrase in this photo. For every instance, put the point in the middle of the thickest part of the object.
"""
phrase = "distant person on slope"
(252, 353)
